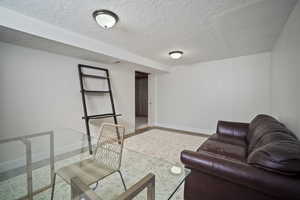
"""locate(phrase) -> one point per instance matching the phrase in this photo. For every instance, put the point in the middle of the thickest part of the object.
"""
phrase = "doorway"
(141, 100)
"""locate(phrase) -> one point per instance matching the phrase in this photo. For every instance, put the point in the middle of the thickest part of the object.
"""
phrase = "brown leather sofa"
(259, 160)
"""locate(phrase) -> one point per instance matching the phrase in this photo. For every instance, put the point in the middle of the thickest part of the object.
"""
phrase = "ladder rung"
(91, 67)
(94, 76)
(96, 91)
(102, 116)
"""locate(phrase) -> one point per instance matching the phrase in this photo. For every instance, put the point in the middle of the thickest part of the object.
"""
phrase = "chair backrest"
(110, 146)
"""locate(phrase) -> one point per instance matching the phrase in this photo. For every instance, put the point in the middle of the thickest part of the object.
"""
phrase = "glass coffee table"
(27, 164)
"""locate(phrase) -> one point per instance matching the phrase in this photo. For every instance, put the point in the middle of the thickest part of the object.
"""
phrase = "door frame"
(151, 98)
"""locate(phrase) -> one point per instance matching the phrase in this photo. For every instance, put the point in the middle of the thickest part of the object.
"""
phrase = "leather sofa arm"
(236, 129)
(242, 174)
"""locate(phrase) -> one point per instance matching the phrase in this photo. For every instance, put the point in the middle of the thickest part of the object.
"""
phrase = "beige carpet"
(165, 145)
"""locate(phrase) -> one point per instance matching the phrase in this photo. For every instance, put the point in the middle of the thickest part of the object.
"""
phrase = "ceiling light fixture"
(105, 18)
(175, 54)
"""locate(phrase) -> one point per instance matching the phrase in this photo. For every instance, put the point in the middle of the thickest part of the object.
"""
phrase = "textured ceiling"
(204, 29)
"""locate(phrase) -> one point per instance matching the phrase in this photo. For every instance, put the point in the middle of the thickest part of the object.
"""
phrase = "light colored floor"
(164, 145)
(141, 122)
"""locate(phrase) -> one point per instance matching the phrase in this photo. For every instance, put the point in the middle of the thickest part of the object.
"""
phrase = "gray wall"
(194, 97)
(40, 91)
(286, 73)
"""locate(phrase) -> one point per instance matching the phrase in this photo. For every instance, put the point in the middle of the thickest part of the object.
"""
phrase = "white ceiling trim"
(17, 21)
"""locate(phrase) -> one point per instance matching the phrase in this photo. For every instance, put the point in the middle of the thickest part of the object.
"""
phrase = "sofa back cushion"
(256, 122)
(264, 129)
(281, 156)
(273, 137)
(269, 130)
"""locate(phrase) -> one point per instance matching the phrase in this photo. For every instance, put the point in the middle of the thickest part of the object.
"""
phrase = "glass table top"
(69, 146)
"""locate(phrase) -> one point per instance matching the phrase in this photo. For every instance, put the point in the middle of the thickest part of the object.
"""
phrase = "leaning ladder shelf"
(85, 92)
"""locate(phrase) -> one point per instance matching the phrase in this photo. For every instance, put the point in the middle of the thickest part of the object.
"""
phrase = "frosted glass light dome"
(105, 18)
(176, 54)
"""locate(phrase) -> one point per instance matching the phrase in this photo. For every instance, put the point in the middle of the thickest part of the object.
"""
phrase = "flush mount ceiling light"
(175, 54)
(105, 18)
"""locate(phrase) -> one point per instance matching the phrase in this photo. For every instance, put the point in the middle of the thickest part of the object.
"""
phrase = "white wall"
(195, 97)
(286, 73)
(40, 91)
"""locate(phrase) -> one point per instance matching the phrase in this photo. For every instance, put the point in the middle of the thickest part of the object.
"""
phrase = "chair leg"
(53, 186)
(94, 188)
(122, 180)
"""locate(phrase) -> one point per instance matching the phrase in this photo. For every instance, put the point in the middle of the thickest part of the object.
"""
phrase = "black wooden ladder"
(85, 92)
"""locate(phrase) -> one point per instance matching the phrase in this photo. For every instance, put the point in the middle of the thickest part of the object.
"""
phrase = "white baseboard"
(185, 128)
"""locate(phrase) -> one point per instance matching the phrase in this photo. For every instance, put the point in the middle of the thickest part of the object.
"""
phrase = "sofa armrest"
(242, 174)
(236, 129)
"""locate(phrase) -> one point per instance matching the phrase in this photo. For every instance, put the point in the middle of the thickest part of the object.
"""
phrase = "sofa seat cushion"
(229, 139)
(229, 151)
(282, 157)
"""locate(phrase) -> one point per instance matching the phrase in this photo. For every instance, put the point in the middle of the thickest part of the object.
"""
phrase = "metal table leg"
(28, 168)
